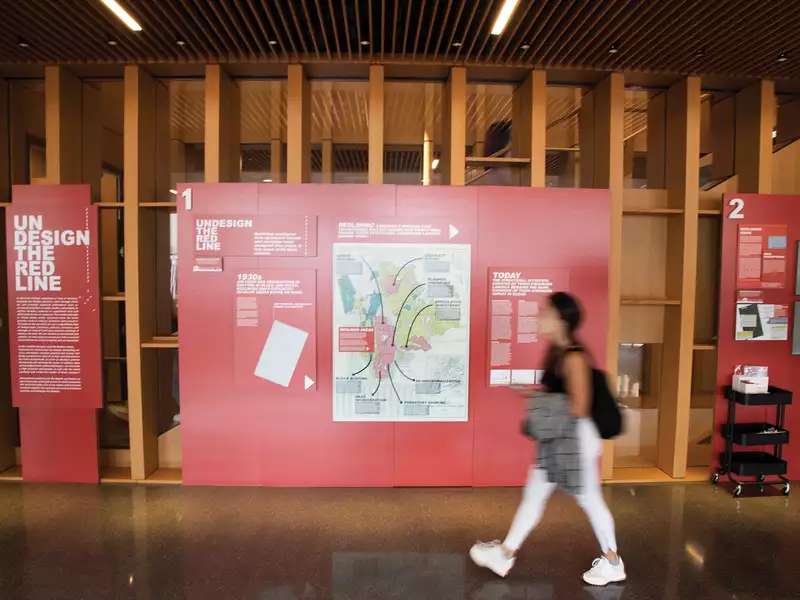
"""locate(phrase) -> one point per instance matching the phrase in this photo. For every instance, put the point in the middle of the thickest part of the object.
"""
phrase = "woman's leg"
(591, 497)
(537, 491)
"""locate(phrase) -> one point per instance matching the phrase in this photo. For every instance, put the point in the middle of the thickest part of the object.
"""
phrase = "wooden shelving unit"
(162, 341)
(117, 297)
(650, 212)
(173, 205)
(629, 301)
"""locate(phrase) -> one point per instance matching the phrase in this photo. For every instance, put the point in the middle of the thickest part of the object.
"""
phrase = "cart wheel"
(715, 478)
(786, 489)
(737, 491)
(762, 477)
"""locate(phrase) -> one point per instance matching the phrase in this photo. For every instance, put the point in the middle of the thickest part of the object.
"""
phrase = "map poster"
(761, 257)
(516, 297)
(401, 331)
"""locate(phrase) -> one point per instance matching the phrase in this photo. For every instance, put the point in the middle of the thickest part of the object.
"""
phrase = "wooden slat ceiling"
(740, 38)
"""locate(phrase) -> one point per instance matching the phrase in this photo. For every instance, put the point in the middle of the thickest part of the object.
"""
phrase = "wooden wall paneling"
(429, 106)
(530, 126)
(656, 140)
(711, 199)
(709, 243)
(641, 325)
(586, 139)
(755, 118)
(608, 105)
(723, 137)
(222, 126)
(7, 413)
(91, 138)
(276, 131)
(787, 121)
(453, 162)
(326, 141)
(786, 169)
(643, 257)
(140, 186)
(298, 126)
(5, 141)
(682, 177)
(63, 120)
(376, 124)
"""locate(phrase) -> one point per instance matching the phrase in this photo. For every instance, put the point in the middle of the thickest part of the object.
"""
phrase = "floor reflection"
(681, 542)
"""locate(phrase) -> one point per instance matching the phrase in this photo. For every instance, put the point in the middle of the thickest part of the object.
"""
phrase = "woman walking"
(569, 449)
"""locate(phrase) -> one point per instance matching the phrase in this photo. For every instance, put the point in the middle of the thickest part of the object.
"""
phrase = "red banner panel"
(53, 298)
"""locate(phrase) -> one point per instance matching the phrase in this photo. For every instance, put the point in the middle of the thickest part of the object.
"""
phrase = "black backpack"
(605, 410)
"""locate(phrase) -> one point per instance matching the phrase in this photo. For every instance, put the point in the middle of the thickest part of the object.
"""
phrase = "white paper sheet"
(280, 354)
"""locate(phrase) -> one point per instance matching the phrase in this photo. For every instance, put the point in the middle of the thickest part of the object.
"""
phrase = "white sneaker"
(490, 555)
(603, 572)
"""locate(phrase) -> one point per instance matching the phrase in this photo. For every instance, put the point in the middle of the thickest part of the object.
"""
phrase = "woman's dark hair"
(570, 312)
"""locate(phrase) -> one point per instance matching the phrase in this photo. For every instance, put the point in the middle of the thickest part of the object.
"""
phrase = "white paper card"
(280, 354)
(500, 377)
(524, 377)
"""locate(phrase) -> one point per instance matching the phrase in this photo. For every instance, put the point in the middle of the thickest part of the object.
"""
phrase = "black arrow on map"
(408, 337)
(369, 362)
(378, 386)
(402, 373)
(401, 310)
(403, 267)
(389, 371)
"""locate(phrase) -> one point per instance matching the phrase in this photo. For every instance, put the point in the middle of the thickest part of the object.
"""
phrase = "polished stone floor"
(117, 541)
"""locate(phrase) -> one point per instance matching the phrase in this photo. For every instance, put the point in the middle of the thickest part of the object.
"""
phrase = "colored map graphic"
(401, 332)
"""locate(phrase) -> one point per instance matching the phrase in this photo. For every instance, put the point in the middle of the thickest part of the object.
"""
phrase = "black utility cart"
(764, 467)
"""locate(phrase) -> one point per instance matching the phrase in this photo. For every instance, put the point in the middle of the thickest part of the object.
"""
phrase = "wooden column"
(222, 107)
(656, 140)
(298, 126)
(276, 135)
(682, 178)
(453, 162)
(326, 140)
(140, 186)
(530, 126)
(63, 120)
(376, 102)
(5, 142)
(428, 134)
(606, 152)
(755, 118)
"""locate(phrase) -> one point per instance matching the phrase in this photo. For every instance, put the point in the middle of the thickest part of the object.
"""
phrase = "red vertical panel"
(777, 355)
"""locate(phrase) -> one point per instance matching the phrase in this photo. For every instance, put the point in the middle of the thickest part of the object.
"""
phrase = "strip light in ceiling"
(503, 16)
(122, 14)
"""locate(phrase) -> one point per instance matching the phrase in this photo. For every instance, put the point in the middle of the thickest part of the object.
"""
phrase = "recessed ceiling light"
(503, 16)
(525, 46)
(456, 44)
(112, 42)
(364, 43)
(273, 42)
(782, 57)
(22, 43)
(122, 14)
(180, 42)
(613, 49)
(267, 180)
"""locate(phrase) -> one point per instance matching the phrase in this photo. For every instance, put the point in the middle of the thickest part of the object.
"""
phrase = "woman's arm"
(576, 377)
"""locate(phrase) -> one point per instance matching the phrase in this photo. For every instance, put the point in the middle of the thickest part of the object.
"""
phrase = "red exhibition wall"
(773, 215)
(240, 428)
(54, 330)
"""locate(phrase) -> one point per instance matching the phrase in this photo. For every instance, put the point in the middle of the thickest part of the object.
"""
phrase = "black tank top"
(553, 378)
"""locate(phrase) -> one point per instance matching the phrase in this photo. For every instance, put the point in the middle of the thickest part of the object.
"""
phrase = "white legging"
(538, 491)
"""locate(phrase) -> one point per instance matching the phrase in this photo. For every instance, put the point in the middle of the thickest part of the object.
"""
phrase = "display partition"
(351, 336)
(758, 293)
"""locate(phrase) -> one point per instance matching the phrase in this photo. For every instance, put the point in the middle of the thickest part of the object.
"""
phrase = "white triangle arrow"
(453, 231)
(308, 382)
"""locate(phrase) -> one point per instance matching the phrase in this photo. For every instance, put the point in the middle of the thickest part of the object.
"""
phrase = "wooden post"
(222, 106)
(298, 126)
(608, 107)
(276, 135)
(453, 162)
(682, 178)
(140, 185)
(530, 126)
(63, 120)
(376, 103)
(755, 118)
(656, 140)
